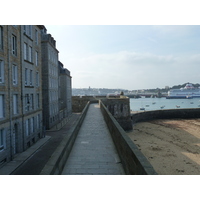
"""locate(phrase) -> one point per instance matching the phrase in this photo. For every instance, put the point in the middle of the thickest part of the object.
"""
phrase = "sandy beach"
(171, 146)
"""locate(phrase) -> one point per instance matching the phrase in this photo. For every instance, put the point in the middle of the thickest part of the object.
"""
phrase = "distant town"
(105, 91)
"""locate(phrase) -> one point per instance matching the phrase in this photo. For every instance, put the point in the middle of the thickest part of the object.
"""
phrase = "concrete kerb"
(58, 159)
(133, 161)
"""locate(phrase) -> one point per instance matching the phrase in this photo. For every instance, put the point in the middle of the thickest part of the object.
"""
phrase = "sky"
(129, 56)
(121, 44)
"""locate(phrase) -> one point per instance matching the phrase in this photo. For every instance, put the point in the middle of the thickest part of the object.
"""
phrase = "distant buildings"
(29, 87)
(95, 91)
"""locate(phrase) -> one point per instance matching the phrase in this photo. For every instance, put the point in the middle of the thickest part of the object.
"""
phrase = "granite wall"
(187, 113)
(120, 110)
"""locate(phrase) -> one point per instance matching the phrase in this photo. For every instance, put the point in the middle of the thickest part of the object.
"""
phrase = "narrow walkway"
(93, 151)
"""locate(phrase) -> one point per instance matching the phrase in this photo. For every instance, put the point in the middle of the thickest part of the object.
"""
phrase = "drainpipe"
(9, 91)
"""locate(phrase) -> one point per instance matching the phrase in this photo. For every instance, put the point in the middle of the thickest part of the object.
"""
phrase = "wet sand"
(171, 146)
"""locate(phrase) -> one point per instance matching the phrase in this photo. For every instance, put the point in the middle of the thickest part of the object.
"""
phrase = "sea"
(162, 103)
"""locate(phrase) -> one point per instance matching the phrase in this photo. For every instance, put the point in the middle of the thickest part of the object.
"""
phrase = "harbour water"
(162, 103)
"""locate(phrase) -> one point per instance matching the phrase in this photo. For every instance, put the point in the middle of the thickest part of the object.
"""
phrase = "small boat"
(162, 107)
(153, 102)
(142, 108)
(177, 106)
(147, 105)
(191, 102)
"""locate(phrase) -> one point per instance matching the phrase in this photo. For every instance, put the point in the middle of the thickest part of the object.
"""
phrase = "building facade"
(50, 80)
(20, 114)
(31, 83)
(35, 89)
(65, 92)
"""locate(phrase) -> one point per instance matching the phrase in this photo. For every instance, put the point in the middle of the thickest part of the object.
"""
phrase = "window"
(31, 125)
(37, 79)
(15, 104)
(38, 100)
(24, 28)
(31, 77)
(36, 58)
(15, 75)
(28, 30)
(14, 45)
(38, 121)
(26, 76)
(1, 37)
(25, 51)
(36, 36)
(1, 71)
(27, 102)
(30, 54)
(28, 127)
(2, 106)
(31, 102)
(2, 140)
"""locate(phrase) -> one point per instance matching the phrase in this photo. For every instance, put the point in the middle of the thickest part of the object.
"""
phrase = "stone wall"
(166, 114)
(120, 109)
(133, 161)
(79, 102)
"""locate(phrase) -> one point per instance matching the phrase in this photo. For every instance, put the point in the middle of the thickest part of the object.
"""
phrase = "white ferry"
(188, 92)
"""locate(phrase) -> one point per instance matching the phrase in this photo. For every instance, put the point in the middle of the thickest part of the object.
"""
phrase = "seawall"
(187, 113)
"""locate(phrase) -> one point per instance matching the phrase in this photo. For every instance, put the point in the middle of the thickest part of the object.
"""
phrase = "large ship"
(189, 91)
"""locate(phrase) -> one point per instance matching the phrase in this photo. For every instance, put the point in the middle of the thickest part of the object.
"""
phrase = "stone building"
(65, 92)
(20, 89)
(31, 83)
(50, 77)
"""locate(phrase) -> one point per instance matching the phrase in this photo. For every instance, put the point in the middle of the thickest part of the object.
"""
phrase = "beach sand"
(171, 146)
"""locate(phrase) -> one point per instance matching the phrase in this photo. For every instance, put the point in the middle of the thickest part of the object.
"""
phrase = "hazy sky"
(129, 56)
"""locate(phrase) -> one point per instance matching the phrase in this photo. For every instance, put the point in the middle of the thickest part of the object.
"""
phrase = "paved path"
(93, 151)
(32, 161)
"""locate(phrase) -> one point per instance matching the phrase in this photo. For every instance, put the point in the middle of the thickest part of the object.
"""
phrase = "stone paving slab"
(93, 152)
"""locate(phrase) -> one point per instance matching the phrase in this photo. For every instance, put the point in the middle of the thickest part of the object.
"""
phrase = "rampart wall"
(79, 102)
(133, 161)
(187, 113)
(120, 110)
